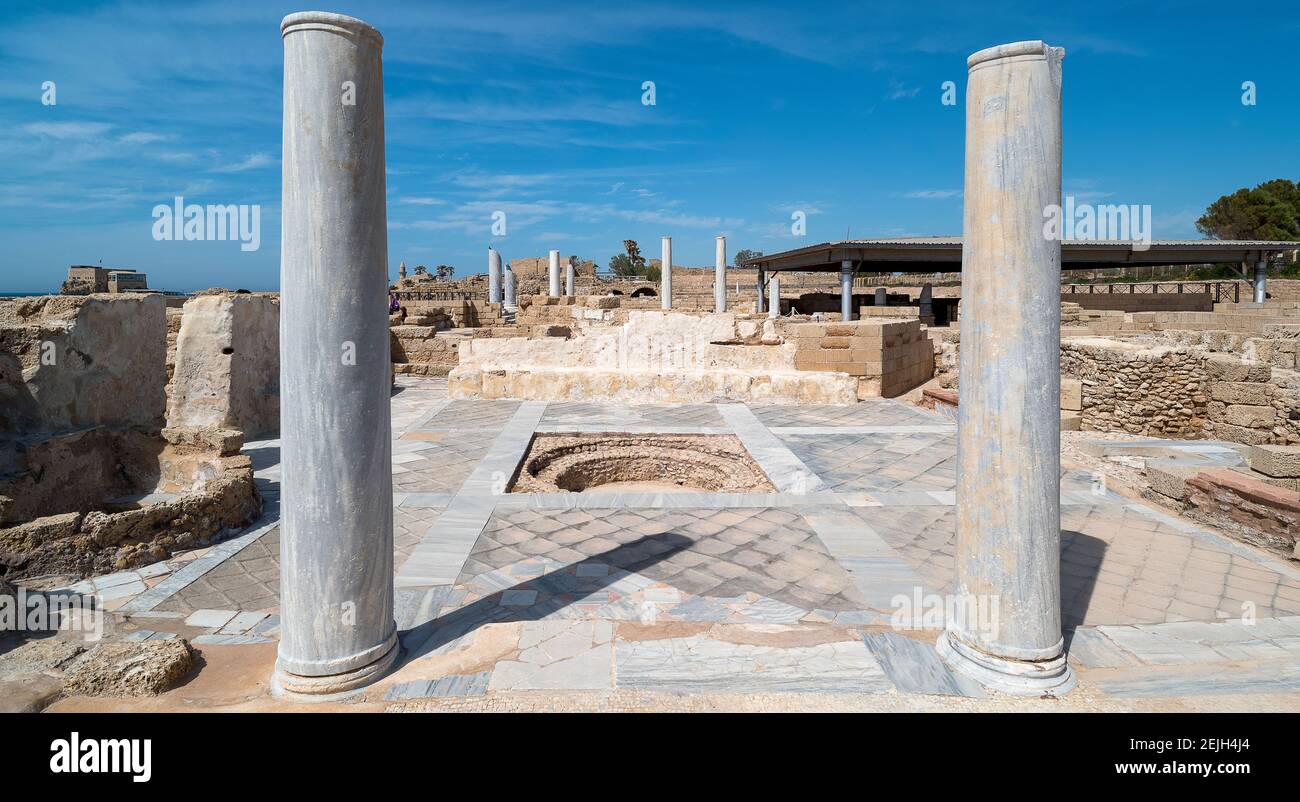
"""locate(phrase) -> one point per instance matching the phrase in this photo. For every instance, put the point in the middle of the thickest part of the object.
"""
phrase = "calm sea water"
(21, 294)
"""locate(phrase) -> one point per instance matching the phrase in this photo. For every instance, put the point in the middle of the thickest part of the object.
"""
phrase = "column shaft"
(720, 275)
(511, 298)
(494, 276)
(568, 279)
(553, 276)
(666, 274)
(759, 305)
(774, 303)
(336, 529)
(846, 291)
(1006, 627)
(1261, 281)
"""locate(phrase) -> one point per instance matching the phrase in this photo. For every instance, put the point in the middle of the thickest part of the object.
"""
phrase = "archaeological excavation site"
(992, 471)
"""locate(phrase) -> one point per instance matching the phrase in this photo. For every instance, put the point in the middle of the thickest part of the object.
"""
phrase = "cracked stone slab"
(559, 655)
(698, 664)
(915, 667)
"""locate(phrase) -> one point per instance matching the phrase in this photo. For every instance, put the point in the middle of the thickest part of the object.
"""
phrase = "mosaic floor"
(812, 588)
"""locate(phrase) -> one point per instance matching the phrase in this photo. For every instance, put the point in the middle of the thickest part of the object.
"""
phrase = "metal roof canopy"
(943, 254)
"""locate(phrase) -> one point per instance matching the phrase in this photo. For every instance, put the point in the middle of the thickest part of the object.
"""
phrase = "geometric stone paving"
(822, 562)
(1118, 566)
(250, 580)
(873, 462)
(443, 466)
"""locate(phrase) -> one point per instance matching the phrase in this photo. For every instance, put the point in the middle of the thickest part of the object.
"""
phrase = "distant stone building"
(87, 279)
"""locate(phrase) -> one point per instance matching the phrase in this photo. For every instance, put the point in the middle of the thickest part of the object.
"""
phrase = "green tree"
(745, 253)
(620, 264)
(1270, 211)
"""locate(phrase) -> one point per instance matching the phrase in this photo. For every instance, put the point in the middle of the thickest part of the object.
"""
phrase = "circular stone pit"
(556, 463)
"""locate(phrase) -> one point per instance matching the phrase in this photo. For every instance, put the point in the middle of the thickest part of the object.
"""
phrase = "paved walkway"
(832, 585)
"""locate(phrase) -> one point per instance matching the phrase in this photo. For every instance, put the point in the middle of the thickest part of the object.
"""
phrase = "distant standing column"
(568, 279)
(774, 304)
(553, 276)
(882, 297)
(720, 275)
(494, 276)
(511, 298)
(666, 274)
(1006, 627)
(759, 306)
(336, 526)
(846, 291)
(1261, 281)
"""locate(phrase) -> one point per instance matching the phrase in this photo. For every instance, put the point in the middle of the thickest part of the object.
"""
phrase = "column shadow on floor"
(629, 558)
(1081, 558)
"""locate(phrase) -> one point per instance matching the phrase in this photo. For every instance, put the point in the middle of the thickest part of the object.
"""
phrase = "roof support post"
(846, 290)
(1261, 280)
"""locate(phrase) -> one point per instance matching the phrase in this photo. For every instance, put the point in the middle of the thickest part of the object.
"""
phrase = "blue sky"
(535, 109)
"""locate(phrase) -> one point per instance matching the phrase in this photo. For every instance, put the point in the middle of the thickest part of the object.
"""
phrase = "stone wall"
(115, 500)
(888, 357)
(654, 357)
(74, 361)
(1143, 302)
(227, 373)
(1130, 387)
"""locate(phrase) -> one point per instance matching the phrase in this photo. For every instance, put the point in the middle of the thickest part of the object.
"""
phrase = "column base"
(1005, 675)
(332, 687)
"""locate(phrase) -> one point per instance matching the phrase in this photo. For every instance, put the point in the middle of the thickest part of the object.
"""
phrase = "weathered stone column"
(568, 278)
(774, 303)
(925, 304)
(553, 275)
(882, 296)
(1261, 281)
(1006, 628)
(762, 279)
(336, 526)
(666, 274)
(494, 276)
(720, 275)
(846, 291)
(512, 298)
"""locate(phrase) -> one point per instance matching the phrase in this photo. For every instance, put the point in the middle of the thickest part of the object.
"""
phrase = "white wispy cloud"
(76, 130)
(143, 138)
(933, 194)
(253, 162)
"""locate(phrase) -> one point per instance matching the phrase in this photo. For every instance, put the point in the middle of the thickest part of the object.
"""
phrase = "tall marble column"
(336, 526)
(568, 278)
(666, 274)
(494, 276)
(774, 303)
(553, 275)
(1261, 281)
(759, 305)
(512, 298)
(846, 291)
(1006, 627)
(720, 275)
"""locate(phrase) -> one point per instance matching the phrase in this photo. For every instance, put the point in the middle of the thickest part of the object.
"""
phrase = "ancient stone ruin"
(99, 470)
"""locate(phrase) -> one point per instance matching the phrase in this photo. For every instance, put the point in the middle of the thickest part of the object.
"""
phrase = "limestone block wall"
(1241, 407)
(426, 351)
(73, 361)
(227, 372)
(1131, 387)
(889, 357)
(654, 356)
